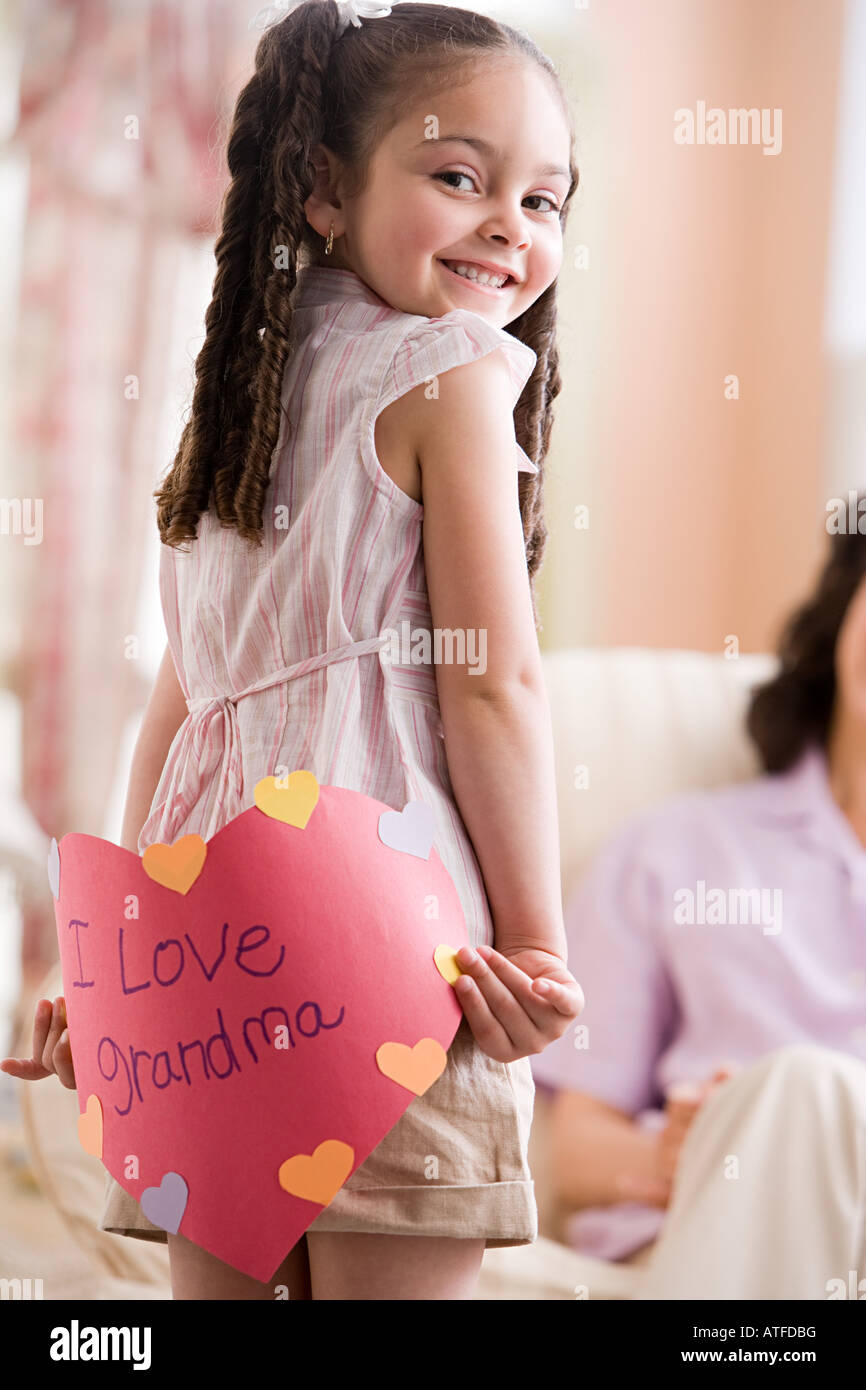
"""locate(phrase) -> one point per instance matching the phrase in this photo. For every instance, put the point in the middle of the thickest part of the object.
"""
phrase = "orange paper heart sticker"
(292, 804)
(90, 1127)
(416, 1067)
(176, 866)
(318, 1177)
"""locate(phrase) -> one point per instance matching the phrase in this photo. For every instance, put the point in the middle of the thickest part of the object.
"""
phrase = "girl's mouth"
(479, 286)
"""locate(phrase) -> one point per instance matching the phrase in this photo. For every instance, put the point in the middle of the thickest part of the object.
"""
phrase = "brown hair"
(312, 85)
(795, 707)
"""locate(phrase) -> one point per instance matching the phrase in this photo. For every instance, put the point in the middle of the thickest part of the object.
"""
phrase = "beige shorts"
(455, 1164)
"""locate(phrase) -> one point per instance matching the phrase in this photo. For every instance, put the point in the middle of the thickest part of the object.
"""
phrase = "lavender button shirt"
(717, 927)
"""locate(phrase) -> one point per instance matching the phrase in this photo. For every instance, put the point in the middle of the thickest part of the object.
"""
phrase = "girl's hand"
(52, 1054)
(516, 1002)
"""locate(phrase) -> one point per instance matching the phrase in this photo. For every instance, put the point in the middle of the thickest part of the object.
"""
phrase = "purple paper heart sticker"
(166, 1204)
(409, 830)
(54, 869)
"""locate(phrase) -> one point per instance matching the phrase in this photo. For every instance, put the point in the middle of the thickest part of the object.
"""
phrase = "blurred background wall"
(691, 264)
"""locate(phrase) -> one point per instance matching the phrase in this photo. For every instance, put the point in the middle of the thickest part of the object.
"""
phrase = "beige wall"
(706, 514)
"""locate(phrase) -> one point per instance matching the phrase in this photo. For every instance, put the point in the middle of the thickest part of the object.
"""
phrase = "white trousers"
(769, 1199)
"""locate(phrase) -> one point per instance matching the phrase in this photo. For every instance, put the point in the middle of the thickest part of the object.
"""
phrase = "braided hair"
(315, 83)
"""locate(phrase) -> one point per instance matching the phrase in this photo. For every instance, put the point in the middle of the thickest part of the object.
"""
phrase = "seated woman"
(710, 1116)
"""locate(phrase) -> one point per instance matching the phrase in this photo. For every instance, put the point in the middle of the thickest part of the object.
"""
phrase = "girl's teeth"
(471, 272)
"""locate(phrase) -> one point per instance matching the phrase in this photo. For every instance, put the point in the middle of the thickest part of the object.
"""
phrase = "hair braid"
(316, 84)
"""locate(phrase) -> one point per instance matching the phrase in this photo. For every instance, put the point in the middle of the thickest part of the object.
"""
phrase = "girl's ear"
(323, 205)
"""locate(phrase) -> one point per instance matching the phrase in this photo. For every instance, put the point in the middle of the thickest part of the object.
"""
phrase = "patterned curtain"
(123, 115)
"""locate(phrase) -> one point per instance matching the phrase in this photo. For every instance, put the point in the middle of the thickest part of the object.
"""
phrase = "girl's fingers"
(516, 1012)
(537, 1002)
(58, 1023)
(486, 1028)
(541, 989)
(24, 1068)
(31, 1068)
(564, 998)
(63, 1061)
(41, 1023)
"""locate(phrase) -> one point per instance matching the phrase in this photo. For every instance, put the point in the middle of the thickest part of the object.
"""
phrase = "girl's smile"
(476, 285)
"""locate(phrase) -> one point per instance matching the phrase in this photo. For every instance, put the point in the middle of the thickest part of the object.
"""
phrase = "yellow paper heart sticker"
(292, 804)
(446, 963)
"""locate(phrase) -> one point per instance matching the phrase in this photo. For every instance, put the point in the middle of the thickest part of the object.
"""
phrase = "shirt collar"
(802, 798)
(318, 284)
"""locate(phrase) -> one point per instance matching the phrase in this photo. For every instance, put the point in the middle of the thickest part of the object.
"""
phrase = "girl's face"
(492, 196)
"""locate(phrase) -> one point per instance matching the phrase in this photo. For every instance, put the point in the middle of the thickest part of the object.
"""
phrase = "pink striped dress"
(281, 654)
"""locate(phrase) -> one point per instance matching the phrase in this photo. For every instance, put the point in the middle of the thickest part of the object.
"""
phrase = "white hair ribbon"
(351, 12)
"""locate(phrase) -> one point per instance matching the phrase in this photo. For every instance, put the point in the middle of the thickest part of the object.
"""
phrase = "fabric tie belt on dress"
(221, 767)
(289, 673)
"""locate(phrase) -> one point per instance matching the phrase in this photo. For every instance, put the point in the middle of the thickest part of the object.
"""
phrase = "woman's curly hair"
(795, 707)
(314, 85)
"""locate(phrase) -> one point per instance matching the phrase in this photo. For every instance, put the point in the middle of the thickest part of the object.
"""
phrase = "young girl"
(357, 464)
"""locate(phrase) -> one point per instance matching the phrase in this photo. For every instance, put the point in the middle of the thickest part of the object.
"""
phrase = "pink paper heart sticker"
(409, 830)
(166, 1204)
(231, 1027)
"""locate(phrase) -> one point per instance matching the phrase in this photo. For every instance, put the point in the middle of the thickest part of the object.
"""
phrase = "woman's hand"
(516, 1002)
(52, 1054)
(682, 1103)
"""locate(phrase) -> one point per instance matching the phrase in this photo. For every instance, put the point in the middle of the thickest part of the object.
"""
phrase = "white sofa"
(639, 726)
(644, 724)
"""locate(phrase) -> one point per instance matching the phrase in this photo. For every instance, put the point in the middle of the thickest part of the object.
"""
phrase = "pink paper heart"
(409, 830)
(230, 1028)
(166, 1204)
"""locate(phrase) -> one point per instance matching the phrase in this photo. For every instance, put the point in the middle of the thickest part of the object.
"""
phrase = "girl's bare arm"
(497, 723)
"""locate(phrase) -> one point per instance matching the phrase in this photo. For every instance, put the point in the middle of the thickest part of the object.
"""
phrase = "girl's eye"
(453, 174)
(554, 207)
(460, 174)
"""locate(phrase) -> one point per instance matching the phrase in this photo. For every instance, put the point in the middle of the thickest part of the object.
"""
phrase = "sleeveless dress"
(277, 651)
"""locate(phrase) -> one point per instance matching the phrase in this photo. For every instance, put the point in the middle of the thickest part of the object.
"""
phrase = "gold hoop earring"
(329, 245)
